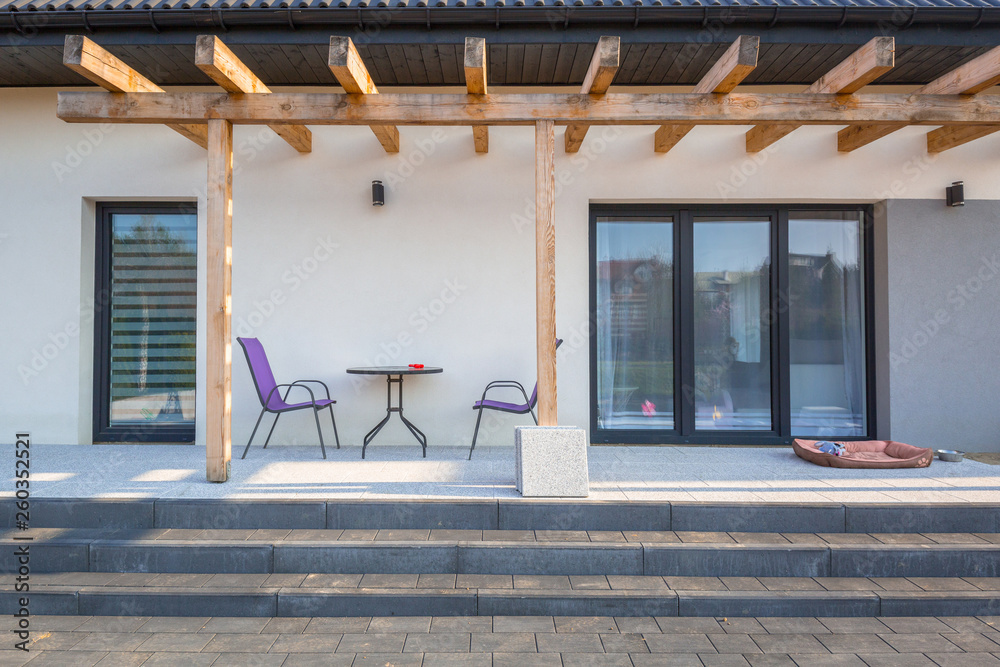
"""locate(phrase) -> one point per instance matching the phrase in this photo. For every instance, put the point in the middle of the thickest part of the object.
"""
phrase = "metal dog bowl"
(951, 455)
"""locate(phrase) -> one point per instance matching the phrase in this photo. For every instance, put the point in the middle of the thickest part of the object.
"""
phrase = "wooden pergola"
(952, 104)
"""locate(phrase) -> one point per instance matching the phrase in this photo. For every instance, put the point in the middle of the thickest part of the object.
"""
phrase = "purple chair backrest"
(260, 369)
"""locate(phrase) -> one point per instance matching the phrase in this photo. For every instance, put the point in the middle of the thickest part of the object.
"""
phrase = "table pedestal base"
(398, 409)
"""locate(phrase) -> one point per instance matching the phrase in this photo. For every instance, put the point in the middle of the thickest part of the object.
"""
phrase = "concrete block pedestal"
(551, 462)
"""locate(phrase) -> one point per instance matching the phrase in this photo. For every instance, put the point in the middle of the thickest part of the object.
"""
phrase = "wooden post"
(219, 228)
(545, 270)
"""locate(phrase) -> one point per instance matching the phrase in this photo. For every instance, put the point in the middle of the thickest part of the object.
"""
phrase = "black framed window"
(730, 324)
(145, 322)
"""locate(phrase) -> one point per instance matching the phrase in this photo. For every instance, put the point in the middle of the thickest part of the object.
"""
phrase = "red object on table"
(416, 365)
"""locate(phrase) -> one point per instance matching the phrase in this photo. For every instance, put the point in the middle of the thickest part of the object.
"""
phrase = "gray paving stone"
(116, 659)
(920, 643)
(733, 643)
(337, 625)
(48, 623)
(701, 584)
(740, 584)
(250, 660)
(572, 642)
(110, 641)
(437, 514)
(666, 660)
(788, 643)
(55, 641)
(286, 626)
(838, 660)
(372, 642)
(171, 642)
(499, 602)
(636, 624)
(787, 626)
(113, 623)
(731, 625)
(437, 642)
(457, 660)
(387, 581)
(316, 535)
(723, 660)
(64, 659)
(269, 534)
(169, 659)
(404, 624)
(177, 601)
(243, 513)
(896, 660)
(542, 581)
(626, 642)
(83, 513)
(695, 626)
(763, 560)
(67, 555)
(524, 624)
(966, 624)
(436, 580)
(679, 643)
(944, 603)
(589, 582)
(854, 643)
(550, 558)
(925, 560)
(226, 534)
(402, 535)
(390, 659)
(561, 536)
(585, 624)
(370, 602)
(235, 624)
(527, 660)
(791, 584)
(766, 518)
(595, 660)
(503, 642)
(331, 581)
(508, 536)
(241, 643)
(972, 642)
(484, 581)
(852, 625)
(965, 659)
(237, 580)
(362, 558)
(636, 582)
(456, 535)
(704, 537)
(465, 624)
(318, 660)
(53, 600)
(175, 624)
(185, 580)
(301, 643)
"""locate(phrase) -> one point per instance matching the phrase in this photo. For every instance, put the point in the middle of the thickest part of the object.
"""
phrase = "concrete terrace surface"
(669, 473)
(510, 641)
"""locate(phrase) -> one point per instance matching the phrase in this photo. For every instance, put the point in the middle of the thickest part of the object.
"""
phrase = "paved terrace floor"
(693, 474)
(501, 641)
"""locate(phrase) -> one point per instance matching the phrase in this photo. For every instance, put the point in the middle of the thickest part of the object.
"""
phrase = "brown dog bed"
(866, 454)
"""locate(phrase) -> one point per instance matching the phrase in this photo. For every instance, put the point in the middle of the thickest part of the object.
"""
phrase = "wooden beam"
(525, 109)
(218, 296)
(91, 61)
(728, 71)
(943, 138)
(600, 74)
(971, 78)
(223, 66)
(475, 82)
(862, 67)
(351, 73)
(545, 270)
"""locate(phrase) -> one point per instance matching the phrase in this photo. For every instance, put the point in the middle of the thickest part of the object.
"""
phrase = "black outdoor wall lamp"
(378, 193)
(955, 194)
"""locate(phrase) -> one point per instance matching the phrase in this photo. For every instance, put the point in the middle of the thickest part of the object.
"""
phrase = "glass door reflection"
(732, 337)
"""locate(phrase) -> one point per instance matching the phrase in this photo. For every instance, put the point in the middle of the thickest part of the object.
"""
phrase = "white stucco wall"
(327, 281)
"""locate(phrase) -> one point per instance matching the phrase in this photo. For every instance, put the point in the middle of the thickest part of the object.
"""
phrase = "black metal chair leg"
(322, 446)
(268, 438)
(259, 417)
(475, 434)
(534, 417)
(334, 421)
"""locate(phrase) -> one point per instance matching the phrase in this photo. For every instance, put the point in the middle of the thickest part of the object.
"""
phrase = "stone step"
(506, 514)
(711, 555)
(489, 595)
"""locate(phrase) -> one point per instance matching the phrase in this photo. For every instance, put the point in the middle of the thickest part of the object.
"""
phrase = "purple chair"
(501, 406)
(267, 389)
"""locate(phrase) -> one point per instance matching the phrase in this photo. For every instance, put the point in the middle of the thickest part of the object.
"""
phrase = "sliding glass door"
(729, 324)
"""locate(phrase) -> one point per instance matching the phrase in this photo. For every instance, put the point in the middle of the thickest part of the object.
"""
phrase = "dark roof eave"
(892, 17)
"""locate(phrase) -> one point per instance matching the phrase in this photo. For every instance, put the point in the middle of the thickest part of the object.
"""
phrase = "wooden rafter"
(861, 68)
(969, 79)
(525, 109)
(735, 65)
(351, 73)
(221, 65)
(475, 83)
(600, 74)
(88, 59)
(943, 138)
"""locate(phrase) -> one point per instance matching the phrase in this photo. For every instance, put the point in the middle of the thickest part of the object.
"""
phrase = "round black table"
(394, 375)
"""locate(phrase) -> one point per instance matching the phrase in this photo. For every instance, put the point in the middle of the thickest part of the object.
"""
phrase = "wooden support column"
(219, 250)
(90, 60)
(735, 64)
(545, 270)
(475, 82)
(221, 65)
(862, 67)
(346, 64)
(600, 74)
(971, 78)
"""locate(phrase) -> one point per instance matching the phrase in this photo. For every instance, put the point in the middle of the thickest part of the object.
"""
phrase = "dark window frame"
(683, 215)
(103, 431)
